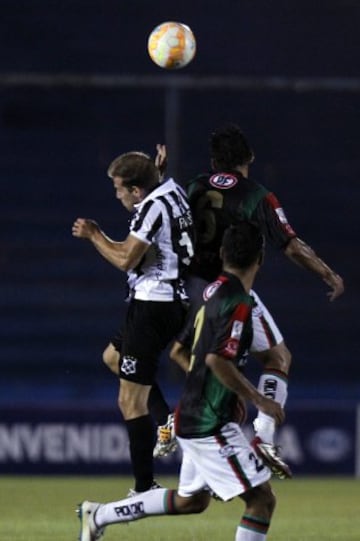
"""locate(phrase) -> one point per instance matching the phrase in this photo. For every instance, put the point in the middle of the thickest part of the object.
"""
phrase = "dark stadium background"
(60, 301)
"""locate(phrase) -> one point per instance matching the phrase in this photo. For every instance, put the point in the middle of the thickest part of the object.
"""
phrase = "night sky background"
(296, 66)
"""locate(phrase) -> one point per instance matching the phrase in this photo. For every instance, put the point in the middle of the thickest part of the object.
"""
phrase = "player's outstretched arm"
(302, 254)
(123, 255)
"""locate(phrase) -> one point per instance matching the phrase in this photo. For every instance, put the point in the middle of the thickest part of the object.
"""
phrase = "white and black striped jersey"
(163, 220)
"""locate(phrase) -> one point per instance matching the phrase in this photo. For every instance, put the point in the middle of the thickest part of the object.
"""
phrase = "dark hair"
(229, 148)
(243, 244)
(136, 169)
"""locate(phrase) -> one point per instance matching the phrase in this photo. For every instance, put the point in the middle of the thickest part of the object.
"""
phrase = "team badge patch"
(236, 329)
(128, 365)
(210, 289)
(223, 181)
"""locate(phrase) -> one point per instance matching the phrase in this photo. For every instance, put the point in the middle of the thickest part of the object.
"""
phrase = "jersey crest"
(211, 288)
(223, 181)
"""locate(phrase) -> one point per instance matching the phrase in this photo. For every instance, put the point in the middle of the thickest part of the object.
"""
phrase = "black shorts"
(149, 327)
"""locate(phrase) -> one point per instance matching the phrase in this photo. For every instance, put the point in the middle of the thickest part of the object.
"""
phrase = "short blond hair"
(136, 169)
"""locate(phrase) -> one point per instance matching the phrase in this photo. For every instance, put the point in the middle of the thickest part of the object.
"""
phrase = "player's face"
(127, 196)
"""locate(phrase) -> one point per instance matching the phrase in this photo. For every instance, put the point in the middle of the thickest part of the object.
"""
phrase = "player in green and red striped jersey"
(217, 458)
(223, 197)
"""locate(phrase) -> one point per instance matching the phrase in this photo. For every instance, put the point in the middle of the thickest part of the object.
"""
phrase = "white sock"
(273, 385)
(151, 502)
(247, 535)
(252, 529)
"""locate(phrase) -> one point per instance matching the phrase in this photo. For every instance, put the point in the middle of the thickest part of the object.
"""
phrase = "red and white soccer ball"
(172, 45)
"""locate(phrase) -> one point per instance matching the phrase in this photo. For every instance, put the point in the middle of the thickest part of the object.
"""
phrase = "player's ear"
(137, 192)
(261, 257)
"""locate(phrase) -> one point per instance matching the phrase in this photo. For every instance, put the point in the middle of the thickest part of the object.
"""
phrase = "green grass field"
(309, 509)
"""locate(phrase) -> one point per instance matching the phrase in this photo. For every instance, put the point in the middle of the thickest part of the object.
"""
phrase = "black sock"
(158, 406)
(141, 436)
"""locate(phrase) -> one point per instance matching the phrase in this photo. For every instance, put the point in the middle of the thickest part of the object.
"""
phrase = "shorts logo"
(223, 181)
(243, 359)
(227, 451)
(128, 365)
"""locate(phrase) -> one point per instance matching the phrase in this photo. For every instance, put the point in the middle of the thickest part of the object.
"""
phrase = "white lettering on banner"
(61, 443)
(330, 444)
(289, 442)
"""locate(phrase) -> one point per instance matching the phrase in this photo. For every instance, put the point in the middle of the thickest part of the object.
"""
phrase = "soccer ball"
(172, 45)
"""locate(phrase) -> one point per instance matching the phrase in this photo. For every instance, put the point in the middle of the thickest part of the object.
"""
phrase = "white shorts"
(266, 333)
(226, 464)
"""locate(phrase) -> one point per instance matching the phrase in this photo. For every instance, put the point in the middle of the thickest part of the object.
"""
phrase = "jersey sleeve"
(232, 338)
(147, 222)
(273, 222)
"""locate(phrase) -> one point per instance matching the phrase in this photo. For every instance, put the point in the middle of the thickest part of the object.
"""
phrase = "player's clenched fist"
(84, 228)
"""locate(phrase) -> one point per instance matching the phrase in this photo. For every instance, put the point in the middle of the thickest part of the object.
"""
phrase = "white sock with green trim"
(143, 504)
(252, 529)
(247, 535)
(273, 384)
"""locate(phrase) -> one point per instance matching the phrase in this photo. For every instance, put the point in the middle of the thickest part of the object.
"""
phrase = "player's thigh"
(277, 357)
(149, 327)
(191, 480)
(266, 333)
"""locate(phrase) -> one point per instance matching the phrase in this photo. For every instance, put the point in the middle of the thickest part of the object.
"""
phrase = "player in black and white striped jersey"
(155, 254)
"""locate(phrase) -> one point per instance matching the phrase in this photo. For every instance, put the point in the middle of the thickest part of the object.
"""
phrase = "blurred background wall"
(77, 88)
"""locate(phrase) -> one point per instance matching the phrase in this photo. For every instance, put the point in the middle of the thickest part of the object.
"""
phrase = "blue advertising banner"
(314, 440)
(319, 439)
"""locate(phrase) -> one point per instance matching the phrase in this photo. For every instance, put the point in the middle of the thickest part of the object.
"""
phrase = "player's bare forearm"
(161, 159)
(112, 251)
(229, 376)
(302, 254)
(181, 355)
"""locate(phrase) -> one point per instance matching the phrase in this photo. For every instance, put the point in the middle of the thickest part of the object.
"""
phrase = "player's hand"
(84, 228)
(336, 284)
(272, 408)
(161, 159)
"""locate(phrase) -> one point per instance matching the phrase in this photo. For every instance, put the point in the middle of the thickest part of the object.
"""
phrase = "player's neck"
(246, 277)
(243, 169)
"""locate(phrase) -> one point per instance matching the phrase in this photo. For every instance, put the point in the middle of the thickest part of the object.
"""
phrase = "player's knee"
(287, 358)
(111, 358)
(126, 405)
(197, 503)
(260, 501)
(267, 499)
(278, 357)
(133, 399)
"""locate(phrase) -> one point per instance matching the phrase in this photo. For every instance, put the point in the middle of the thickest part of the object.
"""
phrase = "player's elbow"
(292, 247)
(180, 355)
(128, 261)
(125, 265)
(211, 361)
(175, 351)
